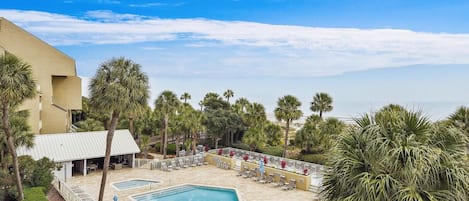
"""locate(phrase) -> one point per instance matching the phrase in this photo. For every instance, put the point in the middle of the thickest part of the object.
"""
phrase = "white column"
(133, 160)
(84, 167)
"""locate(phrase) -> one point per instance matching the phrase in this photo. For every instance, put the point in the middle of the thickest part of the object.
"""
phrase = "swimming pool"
(189, 192)
(133, 183)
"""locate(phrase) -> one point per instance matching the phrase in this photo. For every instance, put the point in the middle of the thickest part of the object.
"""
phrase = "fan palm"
(255, 115)
(119, 87)
(254, 137)
(144, 144)
(240, 106)
(398, 155)
(167, 103)
(273, 134)
(89, 125)
(16, 85)
(185, 96)
(287, 110)
(460, 119)
(228, 94)
(322, 102)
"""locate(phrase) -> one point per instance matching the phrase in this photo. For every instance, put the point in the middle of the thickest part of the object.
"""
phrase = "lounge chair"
(164, 167)
(259, 177)
(191, 162)
(289, 186)
(182, 164)
(241, 171)
(268, 179)
(200, 161)
(281, 182)
(252, 173)
(173, 163)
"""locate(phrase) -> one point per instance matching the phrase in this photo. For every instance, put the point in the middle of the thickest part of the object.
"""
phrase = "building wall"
(59, 88)
(65, 171)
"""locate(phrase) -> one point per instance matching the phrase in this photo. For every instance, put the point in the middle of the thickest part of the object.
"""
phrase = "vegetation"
(397, 154)
(288, 110)
(228, 94)
(35, 194)
(119, 87)
(89, 125)
(16, 85)
(393, 154)
(167, 103)
(322, 102)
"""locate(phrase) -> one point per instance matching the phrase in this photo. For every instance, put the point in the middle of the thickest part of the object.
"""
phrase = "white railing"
(65, 191)
(273, 161)
(156, 164)
(145, 163)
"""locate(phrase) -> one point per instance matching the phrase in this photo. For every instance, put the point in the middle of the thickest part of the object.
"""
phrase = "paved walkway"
(206, 175)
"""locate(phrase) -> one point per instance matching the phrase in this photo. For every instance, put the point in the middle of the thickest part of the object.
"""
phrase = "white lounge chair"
(289, 186)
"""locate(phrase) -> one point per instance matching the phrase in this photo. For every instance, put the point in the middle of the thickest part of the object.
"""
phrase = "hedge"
(314, 158)
(35, 194)
(171, 148)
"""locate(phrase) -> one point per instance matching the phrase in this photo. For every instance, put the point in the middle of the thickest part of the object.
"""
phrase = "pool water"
(189, 192)
(134, 183)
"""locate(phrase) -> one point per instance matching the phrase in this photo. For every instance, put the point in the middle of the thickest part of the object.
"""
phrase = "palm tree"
(273, 134)
(256, 115)
(194, 124)
(287, 110)
(397, 154)
(228, 94)
(185, 96)
(241, 105)
(322, 102)
(144, 144)
(22, 137)
(16, 85)
(254, 137)
(167, 103)
(89, 125)
(460, 118)
(118, 87)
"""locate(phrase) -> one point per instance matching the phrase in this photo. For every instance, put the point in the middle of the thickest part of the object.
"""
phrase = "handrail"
(274, 161)
(59, 107)
(64, 190)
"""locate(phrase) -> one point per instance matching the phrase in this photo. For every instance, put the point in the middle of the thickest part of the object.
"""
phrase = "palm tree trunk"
(194, 142)
(12, 149)
(165, 143)
(320, 114)
(131, 126)
(177, 145)
(286, 138)
(231, 139)
(107, 157)
(162, 140)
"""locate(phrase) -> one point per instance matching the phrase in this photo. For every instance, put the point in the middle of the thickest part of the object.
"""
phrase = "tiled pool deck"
(205, 175)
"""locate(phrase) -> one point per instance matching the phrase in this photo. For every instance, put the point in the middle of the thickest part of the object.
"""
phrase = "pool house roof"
(78, 146)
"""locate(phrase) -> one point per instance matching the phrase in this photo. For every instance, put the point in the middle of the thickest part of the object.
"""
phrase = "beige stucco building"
(59, 87)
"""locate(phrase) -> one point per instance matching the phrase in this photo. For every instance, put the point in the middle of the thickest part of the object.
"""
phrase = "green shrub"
(272, 150)
(314, 158)
(241, 146)
(35, 194)
(171, 148)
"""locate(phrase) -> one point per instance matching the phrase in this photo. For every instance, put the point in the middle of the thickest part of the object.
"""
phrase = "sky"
(364, 53)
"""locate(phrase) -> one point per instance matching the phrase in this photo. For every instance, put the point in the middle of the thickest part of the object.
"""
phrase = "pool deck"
(248, 190)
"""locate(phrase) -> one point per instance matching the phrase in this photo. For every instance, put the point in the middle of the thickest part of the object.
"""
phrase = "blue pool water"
(134, 183)
(189, 193)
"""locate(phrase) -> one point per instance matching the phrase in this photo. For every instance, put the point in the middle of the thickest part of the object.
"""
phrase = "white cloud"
(306, 50)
